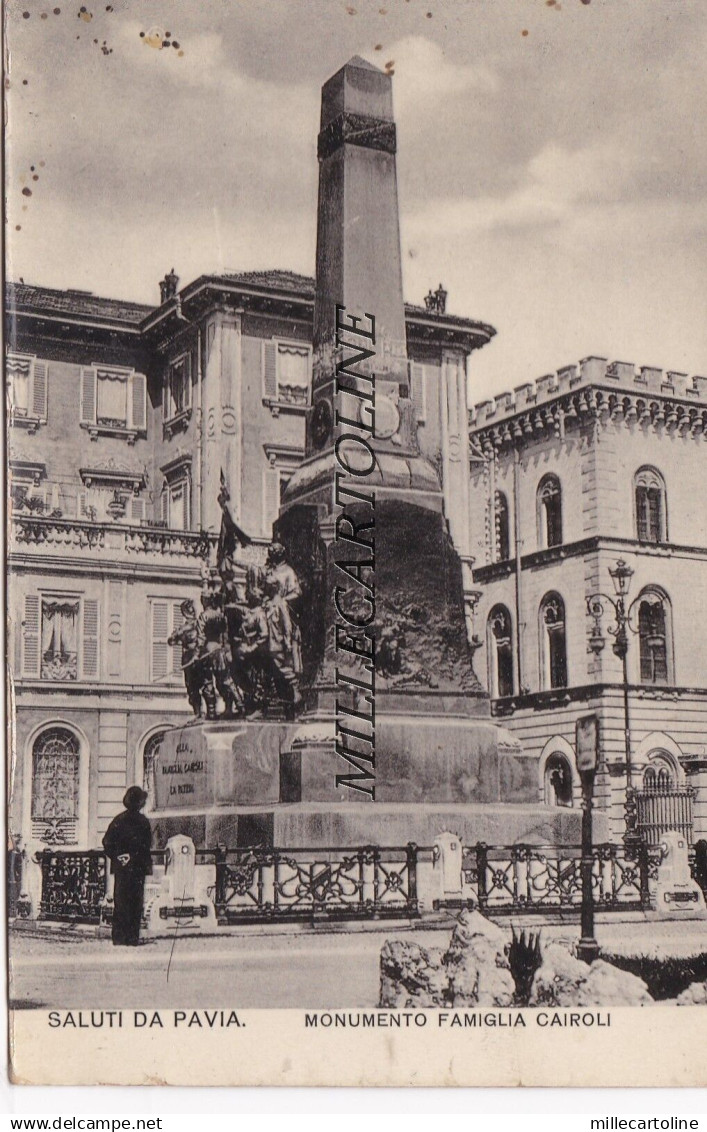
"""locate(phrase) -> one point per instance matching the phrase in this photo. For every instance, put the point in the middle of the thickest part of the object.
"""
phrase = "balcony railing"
(47, 533)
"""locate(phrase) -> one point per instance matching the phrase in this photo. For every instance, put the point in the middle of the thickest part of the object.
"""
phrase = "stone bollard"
(30, 899)
(180, 867)
(678, 896)
(447, 869)
(179, 904)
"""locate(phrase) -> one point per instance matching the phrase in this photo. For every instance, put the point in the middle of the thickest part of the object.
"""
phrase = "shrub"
(665, 977)
(524, 958)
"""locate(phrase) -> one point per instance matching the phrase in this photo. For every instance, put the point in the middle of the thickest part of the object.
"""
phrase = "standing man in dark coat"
(127, 843)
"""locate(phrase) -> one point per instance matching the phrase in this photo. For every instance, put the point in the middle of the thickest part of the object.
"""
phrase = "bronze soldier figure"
(190, 638)
(216, 659)
(251, 652)
(279, 570)
(281, 646)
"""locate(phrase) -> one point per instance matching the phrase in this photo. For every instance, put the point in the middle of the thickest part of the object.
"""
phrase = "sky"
(552, 157)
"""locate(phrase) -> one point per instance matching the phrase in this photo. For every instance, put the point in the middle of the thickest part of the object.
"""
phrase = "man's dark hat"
(134, 798)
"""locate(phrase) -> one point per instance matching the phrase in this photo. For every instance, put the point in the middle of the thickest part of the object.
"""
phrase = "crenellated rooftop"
(621, 387)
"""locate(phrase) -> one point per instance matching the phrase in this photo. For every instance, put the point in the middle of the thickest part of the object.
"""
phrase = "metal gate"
(657, 808)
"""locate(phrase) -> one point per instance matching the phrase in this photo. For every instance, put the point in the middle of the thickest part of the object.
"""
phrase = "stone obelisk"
(420, 606)
(359, 269)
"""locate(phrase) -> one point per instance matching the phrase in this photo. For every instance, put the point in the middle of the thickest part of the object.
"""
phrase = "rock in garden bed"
(563, 980)
(473, 971)
(486, 966)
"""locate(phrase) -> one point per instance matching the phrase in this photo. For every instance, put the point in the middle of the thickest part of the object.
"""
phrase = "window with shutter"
(177, 387)
(177, 505)
(88, 395)
(176, 650)
(271, 498)
(418, 390)
(269, 366)
(26, 379)
(112, 401)
(138, 401)
(294, 373)
(137, 510)
(52, 498)
(39, 389)
(18, 373)
(30, 636)
(90, 639)
(161, 662)
(166, 660)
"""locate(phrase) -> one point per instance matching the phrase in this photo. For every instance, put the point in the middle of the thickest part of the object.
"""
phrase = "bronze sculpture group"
(245, 646)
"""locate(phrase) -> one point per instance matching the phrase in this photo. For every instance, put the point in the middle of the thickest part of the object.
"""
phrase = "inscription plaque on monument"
(182, 772)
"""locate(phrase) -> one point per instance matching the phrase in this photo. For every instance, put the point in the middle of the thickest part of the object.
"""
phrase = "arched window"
(649, 488)
(553, 650)
(149, 755)
(502, 532)
(500, 652)
(653, 637)
(549, 512)
(558, 781)
(658, 778)
(55, 787)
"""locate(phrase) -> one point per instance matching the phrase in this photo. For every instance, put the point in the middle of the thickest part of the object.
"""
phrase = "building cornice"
(210, 292)
(592, 391)
(565, 697)
(550, 557)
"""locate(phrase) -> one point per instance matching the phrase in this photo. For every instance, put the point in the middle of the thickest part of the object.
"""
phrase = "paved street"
(236, 971)
(328, 970)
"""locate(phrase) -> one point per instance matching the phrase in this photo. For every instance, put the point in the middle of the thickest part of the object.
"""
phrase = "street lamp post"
(621, 577)
(587, 752)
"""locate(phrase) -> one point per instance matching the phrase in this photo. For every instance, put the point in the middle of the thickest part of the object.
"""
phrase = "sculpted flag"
(230, 535)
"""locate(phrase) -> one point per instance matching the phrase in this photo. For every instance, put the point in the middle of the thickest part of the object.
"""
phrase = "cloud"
(559, 187)
(427, 80)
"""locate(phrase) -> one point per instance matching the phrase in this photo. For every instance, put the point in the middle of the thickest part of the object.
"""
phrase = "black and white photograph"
(356, 542)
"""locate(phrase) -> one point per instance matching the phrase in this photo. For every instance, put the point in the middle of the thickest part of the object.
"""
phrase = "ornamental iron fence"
(259, 884)
(253, 885)
(504, 879)
(73, 885)
(374, 882)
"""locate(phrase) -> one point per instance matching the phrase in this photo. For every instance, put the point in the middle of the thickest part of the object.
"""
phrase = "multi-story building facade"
(122, 421)
(595, 464)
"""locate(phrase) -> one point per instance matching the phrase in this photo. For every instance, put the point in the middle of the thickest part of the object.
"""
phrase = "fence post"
(411, 855)
(220, 886)
(482, 855)
(643, 872)
(42, 857)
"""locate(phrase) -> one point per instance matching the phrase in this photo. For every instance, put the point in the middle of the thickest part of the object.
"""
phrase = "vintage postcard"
(357, 583)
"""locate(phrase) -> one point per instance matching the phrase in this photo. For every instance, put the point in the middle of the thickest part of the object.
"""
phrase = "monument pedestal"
(274, 783)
